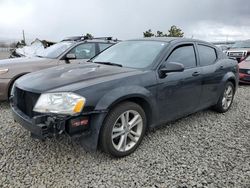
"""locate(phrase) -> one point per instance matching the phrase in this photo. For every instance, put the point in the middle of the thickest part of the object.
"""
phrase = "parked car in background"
(66, 52)
(223, 48)
(244, 69)
(129, 88)
(36, 46)
(240, 50)
(224, 45)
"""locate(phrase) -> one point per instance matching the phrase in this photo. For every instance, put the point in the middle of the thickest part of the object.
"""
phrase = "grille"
(26, 101)
(236, 54)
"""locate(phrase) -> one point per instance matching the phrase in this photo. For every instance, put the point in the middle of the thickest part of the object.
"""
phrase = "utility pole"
(24, 37)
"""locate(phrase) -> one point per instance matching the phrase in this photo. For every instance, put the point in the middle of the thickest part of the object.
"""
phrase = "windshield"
(55, 50)
(242, 44)
(134, 54)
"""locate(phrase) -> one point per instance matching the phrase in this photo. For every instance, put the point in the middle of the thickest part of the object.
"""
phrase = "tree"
(174, 31)
(160, 34)
(148, 33)
(88, 36)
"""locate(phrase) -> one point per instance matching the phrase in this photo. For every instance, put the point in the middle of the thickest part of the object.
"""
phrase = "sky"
(210, 20)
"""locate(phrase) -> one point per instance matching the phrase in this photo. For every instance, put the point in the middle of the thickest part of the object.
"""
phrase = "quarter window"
(207, 55)
(184, 55)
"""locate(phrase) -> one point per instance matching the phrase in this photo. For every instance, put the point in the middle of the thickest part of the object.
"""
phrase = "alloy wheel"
(227, 97)
(127, 130)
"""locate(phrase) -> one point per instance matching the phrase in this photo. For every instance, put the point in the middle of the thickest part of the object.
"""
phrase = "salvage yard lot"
(205, 149)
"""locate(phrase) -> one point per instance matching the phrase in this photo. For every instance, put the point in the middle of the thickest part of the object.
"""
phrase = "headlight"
(60, 103)
(248, 72)
(3, 71)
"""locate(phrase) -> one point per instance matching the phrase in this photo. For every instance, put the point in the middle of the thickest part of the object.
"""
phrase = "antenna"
(24, 37)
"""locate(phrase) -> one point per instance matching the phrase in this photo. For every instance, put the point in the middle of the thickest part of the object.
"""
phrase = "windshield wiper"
(108, 63)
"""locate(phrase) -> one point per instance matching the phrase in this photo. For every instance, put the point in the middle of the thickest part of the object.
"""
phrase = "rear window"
(207, 55)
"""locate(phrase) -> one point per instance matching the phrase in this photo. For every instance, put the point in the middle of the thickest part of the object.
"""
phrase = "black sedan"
(126, 90)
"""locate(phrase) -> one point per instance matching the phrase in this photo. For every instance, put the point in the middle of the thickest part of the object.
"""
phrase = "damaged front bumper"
(85, 126)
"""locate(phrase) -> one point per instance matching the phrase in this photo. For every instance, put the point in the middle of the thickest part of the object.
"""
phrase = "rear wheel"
(123, 129)
(226, 98)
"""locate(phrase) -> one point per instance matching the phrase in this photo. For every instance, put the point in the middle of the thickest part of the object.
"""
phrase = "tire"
(10, 89)
(119, 138)
(226, 98)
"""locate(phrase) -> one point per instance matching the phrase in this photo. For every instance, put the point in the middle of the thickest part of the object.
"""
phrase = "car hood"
(56, 78)
(244, 65)
(17, 61)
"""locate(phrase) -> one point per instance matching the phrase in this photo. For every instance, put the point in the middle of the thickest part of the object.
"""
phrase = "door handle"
(196, 74)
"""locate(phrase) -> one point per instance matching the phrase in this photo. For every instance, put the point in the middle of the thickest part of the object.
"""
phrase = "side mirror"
(70, 56)
(171, 67)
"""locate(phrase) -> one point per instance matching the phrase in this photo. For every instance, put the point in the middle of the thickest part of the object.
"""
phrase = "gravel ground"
(203, 150)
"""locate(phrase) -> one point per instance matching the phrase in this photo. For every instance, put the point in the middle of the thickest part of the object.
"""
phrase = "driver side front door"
(179, 92)
(82, 53)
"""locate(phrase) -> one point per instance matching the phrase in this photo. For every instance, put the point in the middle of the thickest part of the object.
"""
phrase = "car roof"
(100, 40)
(95, 39)
(169, 39)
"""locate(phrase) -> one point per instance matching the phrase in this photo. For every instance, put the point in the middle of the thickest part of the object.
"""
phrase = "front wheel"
(123, 129)
(226, 98)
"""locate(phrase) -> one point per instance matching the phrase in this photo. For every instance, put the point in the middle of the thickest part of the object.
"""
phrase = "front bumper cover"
(46, 126)
(42, 126)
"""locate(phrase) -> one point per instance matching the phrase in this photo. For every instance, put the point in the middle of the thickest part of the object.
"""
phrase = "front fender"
(113, 97)
(122, 93)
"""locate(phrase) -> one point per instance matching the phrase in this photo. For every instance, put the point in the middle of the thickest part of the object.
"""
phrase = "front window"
(84, 51)
(184, 55)
(134, 54)
(55, 50)
(242, 44)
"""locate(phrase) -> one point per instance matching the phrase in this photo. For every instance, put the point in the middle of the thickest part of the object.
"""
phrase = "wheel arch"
(136, 94)
(233, 81)
(139, 100)
(230, 77)
(13, 81)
